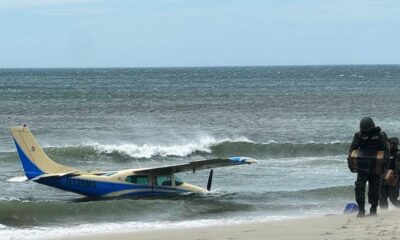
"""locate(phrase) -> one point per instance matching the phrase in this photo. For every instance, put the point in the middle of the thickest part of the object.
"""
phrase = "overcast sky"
(162, 33)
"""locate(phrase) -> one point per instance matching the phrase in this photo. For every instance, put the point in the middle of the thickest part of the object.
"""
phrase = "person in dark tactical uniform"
(385, 189)
(367, 154)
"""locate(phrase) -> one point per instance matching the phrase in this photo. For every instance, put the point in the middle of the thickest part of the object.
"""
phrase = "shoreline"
(383, 226)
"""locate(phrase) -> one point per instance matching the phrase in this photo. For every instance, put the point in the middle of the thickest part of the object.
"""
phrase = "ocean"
(297, 121)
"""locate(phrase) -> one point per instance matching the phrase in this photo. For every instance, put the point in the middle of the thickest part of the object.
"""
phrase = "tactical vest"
(368, 158)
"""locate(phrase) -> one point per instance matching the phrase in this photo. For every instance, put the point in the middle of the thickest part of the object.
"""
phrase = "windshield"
(178, 181)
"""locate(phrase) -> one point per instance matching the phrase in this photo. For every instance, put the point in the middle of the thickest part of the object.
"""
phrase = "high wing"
(198, 165)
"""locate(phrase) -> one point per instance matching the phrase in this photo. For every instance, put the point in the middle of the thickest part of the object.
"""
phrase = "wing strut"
(210, 180)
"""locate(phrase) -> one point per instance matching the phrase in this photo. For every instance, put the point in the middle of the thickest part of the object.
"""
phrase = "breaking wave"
(205, 147)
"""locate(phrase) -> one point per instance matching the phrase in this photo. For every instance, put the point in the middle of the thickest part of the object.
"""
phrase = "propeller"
(210, 180)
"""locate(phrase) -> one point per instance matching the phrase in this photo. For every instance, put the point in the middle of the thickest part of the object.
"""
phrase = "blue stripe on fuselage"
(99, 188)
(31, 170)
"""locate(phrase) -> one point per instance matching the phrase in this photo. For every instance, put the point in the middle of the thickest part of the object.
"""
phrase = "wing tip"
(247, 160)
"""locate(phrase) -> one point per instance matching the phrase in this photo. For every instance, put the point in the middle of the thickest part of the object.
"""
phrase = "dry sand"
(384, 226)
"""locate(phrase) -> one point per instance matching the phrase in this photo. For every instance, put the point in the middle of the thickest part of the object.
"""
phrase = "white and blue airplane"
(38, 167)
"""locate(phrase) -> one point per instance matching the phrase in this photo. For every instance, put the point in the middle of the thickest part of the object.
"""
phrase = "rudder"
(34, 160)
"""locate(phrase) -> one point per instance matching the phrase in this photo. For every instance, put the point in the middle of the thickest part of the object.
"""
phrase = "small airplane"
(38, 167)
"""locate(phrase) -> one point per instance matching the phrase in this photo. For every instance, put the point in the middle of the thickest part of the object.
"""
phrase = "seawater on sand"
(334, 227)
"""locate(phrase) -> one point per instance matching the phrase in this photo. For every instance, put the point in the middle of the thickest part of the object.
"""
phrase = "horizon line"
(204, 66)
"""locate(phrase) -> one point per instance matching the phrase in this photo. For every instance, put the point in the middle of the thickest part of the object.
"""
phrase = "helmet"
(366, 124)
(394, 140)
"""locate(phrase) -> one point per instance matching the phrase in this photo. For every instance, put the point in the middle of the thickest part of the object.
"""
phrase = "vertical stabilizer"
(34, 160)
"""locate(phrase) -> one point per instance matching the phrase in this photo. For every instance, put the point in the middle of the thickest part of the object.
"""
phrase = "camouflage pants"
(373, 189)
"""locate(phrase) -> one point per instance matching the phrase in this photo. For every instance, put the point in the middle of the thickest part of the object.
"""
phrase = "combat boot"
(361, 213)
(372, 210)
(361, 210)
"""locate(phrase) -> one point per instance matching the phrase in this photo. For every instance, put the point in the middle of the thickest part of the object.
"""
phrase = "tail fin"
(34, 160)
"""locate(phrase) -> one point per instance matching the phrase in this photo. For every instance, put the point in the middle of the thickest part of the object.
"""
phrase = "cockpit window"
(178, 181)
(162, 180)
(138, 179)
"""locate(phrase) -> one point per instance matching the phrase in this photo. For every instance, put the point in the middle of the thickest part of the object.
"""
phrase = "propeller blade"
(210, 180)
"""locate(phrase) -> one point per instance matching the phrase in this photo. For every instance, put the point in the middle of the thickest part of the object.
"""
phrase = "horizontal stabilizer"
(18, 179)
(57, 175)
(199, 165)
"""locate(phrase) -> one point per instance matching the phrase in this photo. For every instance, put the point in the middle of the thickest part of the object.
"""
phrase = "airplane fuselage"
(116, 186)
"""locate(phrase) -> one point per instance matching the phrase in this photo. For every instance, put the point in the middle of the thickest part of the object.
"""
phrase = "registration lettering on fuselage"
(81, 183)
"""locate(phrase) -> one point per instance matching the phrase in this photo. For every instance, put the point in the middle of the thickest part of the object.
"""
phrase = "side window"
(162, 181)
(138, 179)
(128, 179)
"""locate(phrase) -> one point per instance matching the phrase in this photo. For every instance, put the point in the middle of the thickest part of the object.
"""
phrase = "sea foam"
(204, 144)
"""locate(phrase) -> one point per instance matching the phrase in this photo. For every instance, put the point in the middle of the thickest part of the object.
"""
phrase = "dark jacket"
(377, 140)
(394, 161)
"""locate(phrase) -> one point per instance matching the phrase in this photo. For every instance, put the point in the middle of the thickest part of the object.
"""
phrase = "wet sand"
(384, 226)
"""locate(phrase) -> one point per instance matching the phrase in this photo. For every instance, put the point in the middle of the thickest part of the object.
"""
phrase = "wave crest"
(204, 145)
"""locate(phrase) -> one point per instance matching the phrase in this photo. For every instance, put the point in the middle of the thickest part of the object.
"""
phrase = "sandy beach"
(383, 226)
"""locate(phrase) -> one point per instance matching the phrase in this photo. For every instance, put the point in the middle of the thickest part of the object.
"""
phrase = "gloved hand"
(390, 178)
(350, 164)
